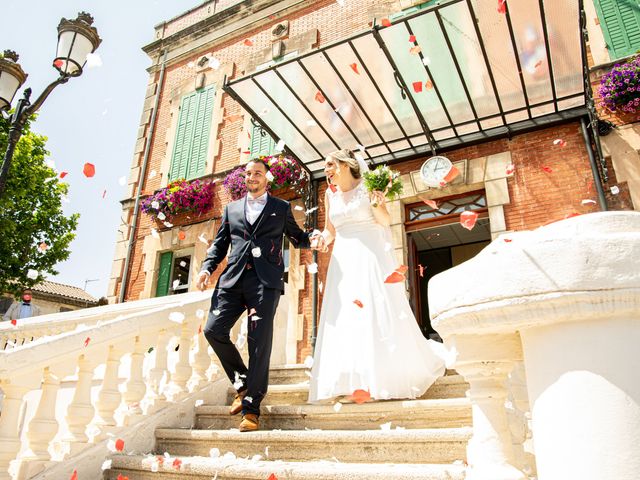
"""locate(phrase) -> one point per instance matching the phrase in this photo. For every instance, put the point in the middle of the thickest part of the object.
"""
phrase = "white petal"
(155, 204)
(588, 201)
(152, 174)
(214, 453)
(106, 465)
(168, 224)
(203, 239)
(176, 283)
(122, 180)
(298, 207)
(216, 312)
(337, 407)
(256, 252)
(154, 233)
(214, 63)
(199, 402)
(249, 399)
(280, 146)
(308, 361)
(386, 426)
(312, 268)
(93, 60)
(177, 317)
(200, 313)
(161, 216)
(269, 176)
(32, 274)
(615, 190)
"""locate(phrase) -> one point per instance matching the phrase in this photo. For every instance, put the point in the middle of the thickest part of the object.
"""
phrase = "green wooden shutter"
(201, 133)
(184, 134)
(261, 144)
(164, 274)
(620, 22)
(189, 156)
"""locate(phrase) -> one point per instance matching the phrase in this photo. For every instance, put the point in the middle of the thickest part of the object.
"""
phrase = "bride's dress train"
(368, 337)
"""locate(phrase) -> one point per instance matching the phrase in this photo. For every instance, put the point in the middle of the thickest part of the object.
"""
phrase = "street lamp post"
(76, 39)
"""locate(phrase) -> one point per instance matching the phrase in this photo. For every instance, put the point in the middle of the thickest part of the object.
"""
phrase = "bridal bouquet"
(385, 180)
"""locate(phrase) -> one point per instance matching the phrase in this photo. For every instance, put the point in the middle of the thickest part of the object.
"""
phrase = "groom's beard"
(254, 189)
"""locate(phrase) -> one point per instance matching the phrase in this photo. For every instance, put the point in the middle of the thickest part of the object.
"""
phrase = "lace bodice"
(352, 208)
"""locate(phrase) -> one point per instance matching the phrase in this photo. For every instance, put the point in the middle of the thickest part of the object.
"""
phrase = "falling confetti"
(311, 210)
(153, 174)
(312, 268)
(280, 145)
(547, 169)
(358, 303)
(360, 396)
(119, 445)
(468, 219)
(176, 283)
(337, 407)
(426, 61)
(63, 174)
(154, 233)
(453, 173)
(385, 22)
(354, 67)
(89, 170)
(538, 64)
(177, 463)
(256, 252)
(168, 224)
(508, 240)
(272, 477)
(156, 205)
(86, 341)
(428, 85)
(395, 277)
(122, 181)
(431, 203)
(402, 269)
(588, 201)
(104, 193)
(502, 6)
(214, 63)
(510, 169)
(560, 142)
(32, 274)
(298, 208)
(386, 427)
(415, 50)
(203, 239)
(417, 87)
(177, 317)
(412, 38)
(59, 64)
(333, 188)
(74, 475)
(14, 322)
(93, 60)
(319, 97)
(248, 42)
(421, 270)
(122, 477)
(106, 465)
(269, 176)
(615, 190)
(181, 236)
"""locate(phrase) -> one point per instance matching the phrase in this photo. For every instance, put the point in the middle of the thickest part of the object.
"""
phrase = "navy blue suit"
(252, 279)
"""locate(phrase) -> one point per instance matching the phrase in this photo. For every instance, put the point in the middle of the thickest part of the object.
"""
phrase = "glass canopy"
(453, 74)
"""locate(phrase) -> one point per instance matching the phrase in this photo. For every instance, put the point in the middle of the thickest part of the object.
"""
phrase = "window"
(189, 157)
(261, 143)
(415, 8)
(620, 22)
(174, 274)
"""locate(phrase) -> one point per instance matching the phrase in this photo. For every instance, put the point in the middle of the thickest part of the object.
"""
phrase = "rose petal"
(468, 219)
(510, 169)
(14, 322)
(415, 50)
(119, 445)
(453, 173)
(354, 67)
(360, 396)
(395, 277)
(177, 463)
(547, 169)
(89, 170)
(182, 236)
(402, 269)
(358, 303)
(319, 97)
(87, 340)
(502, 6)
(63, 174)
(428, 85)
(248, 42)
(412, 38)
(385, 22)
(417, 87)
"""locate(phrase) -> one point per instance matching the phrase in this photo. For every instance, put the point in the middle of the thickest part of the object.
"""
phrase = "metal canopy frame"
(446, 76)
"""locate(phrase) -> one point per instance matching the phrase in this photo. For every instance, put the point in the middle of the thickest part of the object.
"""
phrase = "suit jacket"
(266, 233)
(14, 311)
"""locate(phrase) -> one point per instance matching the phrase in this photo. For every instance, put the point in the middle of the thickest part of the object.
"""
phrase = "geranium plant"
(620, 88)
(284, 172)
(180, 196)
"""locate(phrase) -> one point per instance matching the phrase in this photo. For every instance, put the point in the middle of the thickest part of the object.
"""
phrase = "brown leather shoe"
(249, 423)
(236, 405)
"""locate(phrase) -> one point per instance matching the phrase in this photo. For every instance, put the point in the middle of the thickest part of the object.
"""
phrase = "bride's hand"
(378, 199)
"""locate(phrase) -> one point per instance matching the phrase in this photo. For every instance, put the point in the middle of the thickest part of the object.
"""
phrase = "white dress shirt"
(254, 207)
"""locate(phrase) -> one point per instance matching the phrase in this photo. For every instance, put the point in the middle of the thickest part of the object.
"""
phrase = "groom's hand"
(203, 279)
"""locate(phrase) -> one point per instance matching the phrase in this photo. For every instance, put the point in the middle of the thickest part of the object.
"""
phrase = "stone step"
(199, 468)
(435, 445)
(433, 413)
(447, 386)
(288, 374)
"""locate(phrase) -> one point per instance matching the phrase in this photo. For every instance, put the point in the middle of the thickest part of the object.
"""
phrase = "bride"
(368, 337)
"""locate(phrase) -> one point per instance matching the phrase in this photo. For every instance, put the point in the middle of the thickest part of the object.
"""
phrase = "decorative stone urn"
(565, 299)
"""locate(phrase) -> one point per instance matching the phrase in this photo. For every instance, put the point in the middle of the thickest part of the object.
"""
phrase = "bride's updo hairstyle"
(346, 156)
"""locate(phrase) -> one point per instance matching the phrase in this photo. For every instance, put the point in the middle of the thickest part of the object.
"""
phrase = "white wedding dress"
(377, 347)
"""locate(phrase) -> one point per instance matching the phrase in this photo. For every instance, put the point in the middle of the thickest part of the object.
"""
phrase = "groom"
(251, 281)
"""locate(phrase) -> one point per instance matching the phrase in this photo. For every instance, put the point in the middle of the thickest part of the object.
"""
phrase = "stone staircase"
(424, 438)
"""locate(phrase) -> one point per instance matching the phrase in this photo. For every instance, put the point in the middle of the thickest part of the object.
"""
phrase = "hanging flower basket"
(179, 197)
(285, 172)
(619, 89)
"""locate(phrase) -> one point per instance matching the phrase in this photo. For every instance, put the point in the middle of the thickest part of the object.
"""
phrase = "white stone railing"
(562, 301)
(95, 340)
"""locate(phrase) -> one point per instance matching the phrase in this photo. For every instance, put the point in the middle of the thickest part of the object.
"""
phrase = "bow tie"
(257, 201)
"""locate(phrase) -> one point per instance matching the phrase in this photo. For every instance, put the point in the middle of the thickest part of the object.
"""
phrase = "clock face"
(434, 170)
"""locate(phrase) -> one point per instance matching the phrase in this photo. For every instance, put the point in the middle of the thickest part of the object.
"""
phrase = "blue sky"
(93, 118)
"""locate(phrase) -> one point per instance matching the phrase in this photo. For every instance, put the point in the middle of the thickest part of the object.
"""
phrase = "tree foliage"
(34, 232)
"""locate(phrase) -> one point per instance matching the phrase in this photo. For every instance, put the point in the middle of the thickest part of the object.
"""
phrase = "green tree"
(31, 214)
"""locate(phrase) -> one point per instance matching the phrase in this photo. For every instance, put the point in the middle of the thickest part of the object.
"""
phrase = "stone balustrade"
(92, 339)
(564, 301)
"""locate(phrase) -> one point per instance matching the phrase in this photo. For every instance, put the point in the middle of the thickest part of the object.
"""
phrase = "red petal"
(333, 188)
(510, 169)
(502, 6)
(319, 97)
(468, 219)
(58, 64)
(538, 64)
(547, 169)
(247, 152)
(428, 85)
(432, 203)
(412, 38)
(248, 42)
(395, 277)
(14, 322)
(177, 463)
(122, 477)
(417, 87)
(358, 303)
(200, 329)
(182, 235)
(385, 22)
(360, 396)
(272, 477)
(160, 459)
(508, 240)
(63, 174)
(402, 269)
(74, 475)
(453, 173)
(86, 342)
(354, 67)
(119, 445)
(89, 170)
(415, 50)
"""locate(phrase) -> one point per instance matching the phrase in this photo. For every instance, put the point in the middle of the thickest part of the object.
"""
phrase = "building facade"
(497, 88)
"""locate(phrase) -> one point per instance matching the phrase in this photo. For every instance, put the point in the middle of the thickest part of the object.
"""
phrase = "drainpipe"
(143, 174)
(594, 167)
(314, 287)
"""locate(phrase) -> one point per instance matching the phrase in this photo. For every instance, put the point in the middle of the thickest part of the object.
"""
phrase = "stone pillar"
(135, 387)
(201, 362)
(571, 290)
(155, 397)
(9, 439)
(44, 426)
(109, 397)
(81, 411)
(182, 371)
